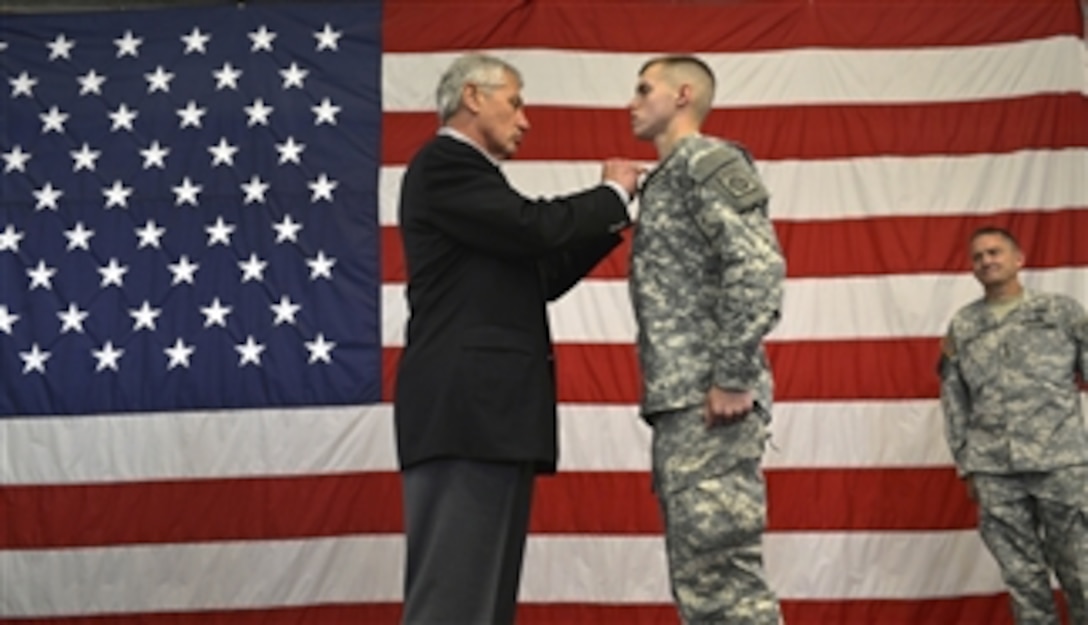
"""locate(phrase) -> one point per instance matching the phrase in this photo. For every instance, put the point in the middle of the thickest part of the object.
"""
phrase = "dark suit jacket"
(476, 378)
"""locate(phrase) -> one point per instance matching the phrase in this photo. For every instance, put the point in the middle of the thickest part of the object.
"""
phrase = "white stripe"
(897, 306)
(203, 576)
(809, 435)
(350, 439)
(136, 447)
(880, 565)
(562, 569)
(881, 307)
(860, 434)
(850, 188)
(578, 78)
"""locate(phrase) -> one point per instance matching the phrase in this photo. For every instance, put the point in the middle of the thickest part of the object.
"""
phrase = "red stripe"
(977, 610)
(356, 614)
(424, 25)
(988, 609)
(83, 515)
(991, 610)
(198, 510)
(804, 370)
(793, 132)
(798, 501)
(903, 245)
(868, 499)
(879, 246)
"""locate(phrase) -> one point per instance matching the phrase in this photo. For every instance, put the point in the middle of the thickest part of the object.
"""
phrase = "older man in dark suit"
(475, 397)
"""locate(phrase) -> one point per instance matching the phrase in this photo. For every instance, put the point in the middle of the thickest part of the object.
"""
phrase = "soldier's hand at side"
(724, 406)
(622, 172)
(972, 492)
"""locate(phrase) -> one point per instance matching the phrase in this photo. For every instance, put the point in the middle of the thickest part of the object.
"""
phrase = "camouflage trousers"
(1033, 523)
(713, 501)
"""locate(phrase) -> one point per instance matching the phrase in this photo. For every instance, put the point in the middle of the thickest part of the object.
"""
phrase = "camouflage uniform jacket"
(1008, 388)
(706, 277)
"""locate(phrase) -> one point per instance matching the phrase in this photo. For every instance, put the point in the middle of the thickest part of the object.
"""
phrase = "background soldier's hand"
(724, 406)
(972, 492)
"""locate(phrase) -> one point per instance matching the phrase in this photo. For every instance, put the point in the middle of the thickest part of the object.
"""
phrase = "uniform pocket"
(719, 513)
(977, 362)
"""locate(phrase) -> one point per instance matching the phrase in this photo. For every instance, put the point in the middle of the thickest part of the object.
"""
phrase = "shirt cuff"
(615, 186)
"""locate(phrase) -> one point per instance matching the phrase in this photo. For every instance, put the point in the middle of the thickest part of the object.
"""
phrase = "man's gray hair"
(482, 70)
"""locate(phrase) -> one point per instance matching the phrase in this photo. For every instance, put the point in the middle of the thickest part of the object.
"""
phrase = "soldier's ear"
(684, 95)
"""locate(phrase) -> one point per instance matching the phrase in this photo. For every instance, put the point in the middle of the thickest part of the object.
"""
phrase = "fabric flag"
(210, 440)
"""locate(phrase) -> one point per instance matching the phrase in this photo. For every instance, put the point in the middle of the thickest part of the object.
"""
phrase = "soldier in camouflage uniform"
(1014, 424)
(706, 286)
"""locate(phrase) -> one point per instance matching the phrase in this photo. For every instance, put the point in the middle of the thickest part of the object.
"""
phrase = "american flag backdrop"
(201, 293)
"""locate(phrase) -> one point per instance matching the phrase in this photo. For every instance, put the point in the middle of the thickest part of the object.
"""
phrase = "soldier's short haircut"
(694, 70)
(482, 70)
(1001, 232)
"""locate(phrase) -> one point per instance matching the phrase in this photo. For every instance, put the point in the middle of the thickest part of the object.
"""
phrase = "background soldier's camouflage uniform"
(706, 284)
(1014, 424)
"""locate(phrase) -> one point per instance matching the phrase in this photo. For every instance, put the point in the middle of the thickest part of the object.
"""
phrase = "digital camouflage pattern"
(1014, 424)
(1008, 387)
(706, 285)
(714, 503)
(1011, 511)
(706, 276)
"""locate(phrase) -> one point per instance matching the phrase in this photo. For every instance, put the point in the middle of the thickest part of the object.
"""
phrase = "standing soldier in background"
(706, 285)
(1014, 423)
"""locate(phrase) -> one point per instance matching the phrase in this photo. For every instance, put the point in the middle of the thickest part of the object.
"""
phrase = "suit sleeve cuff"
(620, 191)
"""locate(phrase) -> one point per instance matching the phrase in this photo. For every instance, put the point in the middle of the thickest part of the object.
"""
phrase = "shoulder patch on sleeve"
(710, 162)
(726, 171)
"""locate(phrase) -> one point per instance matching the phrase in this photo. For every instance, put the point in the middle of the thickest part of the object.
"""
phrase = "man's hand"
(723, 407)
(622, 172)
